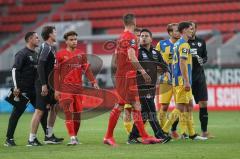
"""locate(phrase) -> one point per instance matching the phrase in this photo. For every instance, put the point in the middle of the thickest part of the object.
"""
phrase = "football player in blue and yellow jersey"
(181, 79)
(165, 47)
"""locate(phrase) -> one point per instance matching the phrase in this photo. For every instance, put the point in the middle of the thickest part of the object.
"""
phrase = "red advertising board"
(220, 97)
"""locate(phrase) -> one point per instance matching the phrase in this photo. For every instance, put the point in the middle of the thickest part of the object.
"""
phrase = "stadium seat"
(29, 9)
(18, 19)
(10, 28)
(7, 2)
(41, 1)
(227, 36)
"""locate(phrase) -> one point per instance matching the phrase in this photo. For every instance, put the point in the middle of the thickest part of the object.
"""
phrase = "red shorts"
(127, 90)
(71, 103)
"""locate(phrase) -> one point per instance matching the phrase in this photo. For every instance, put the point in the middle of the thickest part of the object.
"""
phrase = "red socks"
(114, 115)
(72, 123)
(137, 117)
(76, 126)
(70, 128)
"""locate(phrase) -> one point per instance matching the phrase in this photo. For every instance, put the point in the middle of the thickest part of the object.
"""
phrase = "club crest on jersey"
(30, 58)
(199, 44)
(155, 57)
(79, 57)
(184, 51)
(133, 42)
(154, 52)
(144, 55)
(65, 57)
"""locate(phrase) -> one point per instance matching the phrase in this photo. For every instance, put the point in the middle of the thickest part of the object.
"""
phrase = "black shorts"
(43, 101)
(199, 90)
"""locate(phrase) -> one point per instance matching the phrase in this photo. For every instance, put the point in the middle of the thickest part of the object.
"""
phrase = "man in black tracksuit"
(199, 86)
(151, 60)
(24, 73)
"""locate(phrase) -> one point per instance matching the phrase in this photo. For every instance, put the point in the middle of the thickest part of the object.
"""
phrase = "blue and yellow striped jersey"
(165, 47)
(181, 51)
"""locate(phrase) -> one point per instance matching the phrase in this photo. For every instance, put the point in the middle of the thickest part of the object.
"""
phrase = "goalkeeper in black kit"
(199, 86)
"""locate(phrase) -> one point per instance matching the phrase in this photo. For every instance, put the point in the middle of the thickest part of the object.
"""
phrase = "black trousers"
(148, 113)
(17, 113)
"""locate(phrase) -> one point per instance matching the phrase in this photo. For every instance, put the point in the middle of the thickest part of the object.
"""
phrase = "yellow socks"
(128, 126)
(162, 117)
(172, 118)
(183, 123)
(190, 124)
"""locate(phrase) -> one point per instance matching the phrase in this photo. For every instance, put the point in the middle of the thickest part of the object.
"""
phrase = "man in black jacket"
(199, 86)
(24, 74)
(151, 60)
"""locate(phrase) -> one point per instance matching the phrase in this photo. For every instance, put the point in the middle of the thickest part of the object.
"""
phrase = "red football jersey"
(124, 66)
(70, 66)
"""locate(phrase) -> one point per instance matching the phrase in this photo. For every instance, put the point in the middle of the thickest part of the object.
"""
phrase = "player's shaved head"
(129, 19)
(184, 25)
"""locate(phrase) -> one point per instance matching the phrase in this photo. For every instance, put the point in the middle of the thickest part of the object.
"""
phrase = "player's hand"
(146, 77)
(95, 85)
(57, 95)
(44, 90)
(16, 92)
(187, 86)
(200, 61)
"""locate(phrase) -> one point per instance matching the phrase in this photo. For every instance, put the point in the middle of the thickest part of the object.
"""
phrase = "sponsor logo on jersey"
(193, 51)
(133, 42)
(199, 44)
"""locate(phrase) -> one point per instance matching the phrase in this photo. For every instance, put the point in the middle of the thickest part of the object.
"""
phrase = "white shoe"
(73, 141)
(197, 137)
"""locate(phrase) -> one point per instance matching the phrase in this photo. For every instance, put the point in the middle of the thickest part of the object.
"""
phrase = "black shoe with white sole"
(52, 140)
(35, 142)
(166, 139)
(60, 139)
(133, 141)
(10, 143)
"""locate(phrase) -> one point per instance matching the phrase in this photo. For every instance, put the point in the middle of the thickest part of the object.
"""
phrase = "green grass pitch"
(224, 125)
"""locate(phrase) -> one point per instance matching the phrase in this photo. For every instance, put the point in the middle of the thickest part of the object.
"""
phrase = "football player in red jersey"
(127, 65)
(127, 107)
(70, 64)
